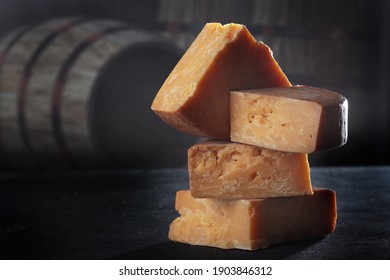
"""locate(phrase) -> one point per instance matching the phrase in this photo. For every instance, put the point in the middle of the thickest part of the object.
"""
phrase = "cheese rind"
(255, 223)
(231, 170)
(195, 97)
(295, 119)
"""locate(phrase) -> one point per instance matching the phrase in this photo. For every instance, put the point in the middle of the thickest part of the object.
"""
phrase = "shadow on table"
(173, 250)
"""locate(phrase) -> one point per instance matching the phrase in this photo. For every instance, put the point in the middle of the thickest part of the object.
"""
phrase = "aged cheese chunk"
(295, 119)
(255, 223)
(195, 97)
(231, 170)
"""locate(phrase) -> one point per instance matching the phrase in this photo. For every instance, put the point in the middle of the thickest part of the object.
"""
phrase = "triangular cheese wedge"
(195, 97)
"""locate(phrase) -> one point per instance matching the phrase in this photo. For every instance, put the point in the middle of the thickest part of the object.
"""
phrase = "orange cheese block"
(231, 170)
(195, 97)
(254, 223)
(295, 119)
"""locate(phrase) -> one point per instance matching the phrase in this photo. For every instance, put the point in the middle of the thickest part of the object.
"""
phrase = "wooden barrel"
(76, 92)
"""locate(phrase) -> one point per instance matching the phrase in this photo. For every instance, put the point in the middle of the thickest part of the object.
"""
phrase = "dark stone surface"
(126, 215)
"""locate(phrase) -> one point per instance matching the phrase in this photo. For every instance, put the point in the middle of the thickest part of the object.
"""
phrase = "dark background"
(340, 45)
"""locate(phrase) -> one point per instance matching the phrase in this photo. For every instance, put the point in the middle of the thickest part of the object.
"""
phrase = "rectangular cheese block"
(231, 170)
(295, 119)
(195, 97)
(254, 223)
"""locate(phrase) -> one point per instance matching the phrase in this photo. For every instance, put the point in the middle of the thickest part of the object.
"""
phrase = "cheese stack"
(251, 187)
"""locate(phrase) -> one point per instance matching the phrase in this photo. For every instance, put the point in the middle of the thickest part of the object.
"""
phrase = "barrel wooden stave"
(41, 86)
(11, 77)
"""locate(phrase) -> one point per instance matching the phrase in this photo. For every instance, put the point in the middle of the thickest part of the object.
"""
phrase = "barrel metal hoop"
(59, 85)
(22, 91)
(14, 40)
(3, 54)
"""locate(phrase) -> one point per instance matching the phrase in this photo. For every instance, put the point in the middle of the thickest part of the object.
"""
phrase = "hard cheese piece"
(195, 97)
(294, 119)
(231, 170)
(254, 223)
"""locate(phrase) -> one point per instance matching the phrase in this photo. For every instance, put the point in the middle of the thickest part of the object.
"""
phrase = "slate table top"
(126, 215)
